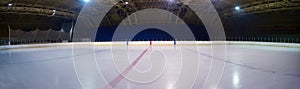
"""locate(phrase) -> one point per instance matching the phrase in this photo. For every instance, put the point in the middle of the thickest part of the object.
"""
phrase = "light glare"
(9, 4)
(170, 1)
(54, 12)
(237, 8)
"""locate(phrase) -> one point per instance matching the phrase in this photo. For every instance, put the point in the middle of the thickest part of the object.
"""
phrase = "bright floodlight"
(86, 0)
(237, 8)
(54, 11)
(170, 0)
(126, 2)
(9, 4)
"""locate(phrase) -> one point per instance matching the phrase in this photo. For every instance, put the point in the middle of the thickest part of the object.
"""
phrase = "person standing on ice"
(174, 42)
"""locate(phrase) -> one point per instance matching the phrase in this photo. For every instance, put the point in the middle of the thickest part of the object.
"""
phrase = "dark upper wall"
(271, 24)
(106, 33)
(279, 24)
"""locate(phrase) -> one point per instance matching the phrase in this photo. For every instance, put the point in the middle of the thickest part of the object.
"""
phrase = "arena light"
(86, 0)
(237, 8)
(171, 1)
(10, 4)
(54, 12)
(126, 2)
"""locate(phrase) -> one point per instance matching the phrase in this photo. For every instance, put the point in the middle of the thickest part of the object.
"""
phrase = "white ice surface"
(246, 66)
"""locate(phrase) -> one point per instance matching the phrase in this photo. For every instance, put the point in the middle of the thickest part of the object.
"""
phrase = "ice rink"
(196, 65)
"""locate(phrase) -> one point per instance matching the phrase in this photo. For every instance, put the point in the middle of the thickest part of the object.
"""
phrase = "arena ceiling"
(40, 13)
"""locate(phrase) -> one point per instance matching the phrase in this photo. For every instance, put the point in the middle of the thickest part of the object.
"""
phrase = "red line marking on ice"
(116, 80)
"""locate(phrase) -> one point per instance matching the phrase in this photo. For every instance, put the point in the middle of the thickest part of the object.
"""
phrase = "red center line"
(116, 80)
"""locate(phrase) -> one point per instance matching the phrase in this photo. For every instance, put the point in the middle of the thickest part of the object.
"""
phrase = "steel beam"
(262, 7)
(37, 11)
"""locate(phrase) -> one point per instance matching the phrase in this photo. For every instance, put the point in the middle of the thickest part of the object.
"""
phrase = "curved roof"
(42, 11)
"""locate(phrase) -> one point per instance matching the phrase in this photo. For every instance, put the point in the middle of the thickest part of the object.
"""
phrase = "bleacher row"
(35, 37)
(39, 35)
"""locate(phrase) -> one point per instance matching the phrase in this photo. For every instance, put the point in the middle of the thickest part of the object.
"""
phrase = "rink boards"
(154, 43)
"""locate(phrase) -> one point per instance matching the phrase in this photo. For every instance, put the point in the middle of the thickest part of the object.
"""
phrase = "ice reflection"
(128, 86)
(236, 80)
(170, 86)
